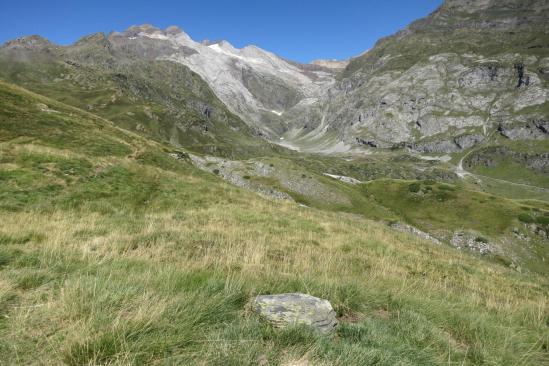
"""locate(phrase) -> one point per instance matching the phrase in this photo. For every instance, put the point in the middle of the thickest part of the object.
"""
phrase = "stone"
(404, 228)
(296, 309)
(469, 240)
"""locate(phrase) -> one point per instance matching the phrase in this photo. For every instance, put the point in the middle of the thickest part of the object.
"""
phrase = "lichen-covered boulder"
(296, 309)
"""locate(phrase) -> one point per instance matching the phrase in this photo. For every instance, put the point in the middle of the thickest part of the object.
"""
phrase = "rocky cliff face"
(255, 84)
(444, 84)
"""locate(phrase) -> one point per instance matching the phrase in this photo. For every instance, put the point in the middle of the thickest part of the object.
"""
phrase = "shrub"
(445, 187)
(480, 239)
(414, 187)
(216, 171)
(445, 196)
(527, 219)
(542, 220)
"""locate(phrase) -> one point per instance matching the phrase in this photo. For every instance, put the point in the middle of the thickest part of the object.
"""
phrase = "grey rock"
(468, 141)
(399, 226)
(535, 130)
(491, 156)
(234, 171)
(443, 146)
(343, 178)
(296, 309)
(470, 241)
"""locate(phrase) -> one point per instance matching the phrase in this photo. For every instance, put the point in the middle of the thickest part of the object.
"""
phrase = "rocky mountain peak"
(96, 38)
(28, 42)
(148, 30)
(173, 30)
(144, 28)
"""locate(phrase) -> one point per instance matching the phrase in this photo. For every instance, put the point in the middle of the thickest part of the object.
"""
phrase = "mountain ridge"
(452, 62)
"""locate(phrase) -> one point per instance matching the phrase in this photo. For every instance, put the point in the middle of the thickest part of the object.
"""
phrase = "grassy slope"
(443, 209)
(439, 208)
(507, 167)
(111, 252)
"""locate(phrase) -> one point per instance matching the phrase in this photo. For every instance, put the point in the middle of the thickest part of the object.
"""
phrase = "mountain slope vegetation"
(114, 252)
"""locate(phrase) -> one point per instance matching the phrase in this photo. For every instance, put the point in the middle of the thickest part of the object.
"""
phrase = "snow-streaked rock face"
(257, 85)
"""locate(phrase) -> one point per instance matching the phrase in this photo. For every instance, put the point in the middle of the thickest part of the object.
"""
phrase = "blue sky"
(300, 30)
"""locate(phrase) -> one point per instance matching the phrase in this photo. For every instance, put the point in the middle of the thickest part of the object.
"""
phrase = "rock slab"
(296, 309)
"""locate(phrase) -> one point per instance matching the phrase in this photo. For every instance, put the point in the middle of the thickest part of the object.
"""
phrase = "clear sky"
(300, 30)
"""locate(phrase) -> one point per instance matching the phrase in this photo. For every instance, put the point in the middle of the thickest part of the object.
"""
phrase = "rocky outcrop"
(296, 309)
(405, 228)
(268, 180)
(534, 130)
(343, 178)
(459, 143)
(491, 157)
(471, 241)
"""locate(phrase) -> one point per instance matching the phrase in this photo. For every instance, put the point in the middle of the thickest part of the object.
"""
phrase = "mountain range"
(444, 84)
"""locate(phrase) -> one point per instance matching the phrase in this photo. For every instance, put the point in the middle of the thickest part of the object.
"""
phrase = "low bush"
(527, 219)
(414, 187)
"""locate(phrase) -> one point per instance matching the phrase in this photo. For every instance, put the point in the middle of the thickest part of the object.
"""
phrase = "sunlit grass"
(138, 258)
